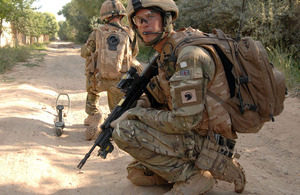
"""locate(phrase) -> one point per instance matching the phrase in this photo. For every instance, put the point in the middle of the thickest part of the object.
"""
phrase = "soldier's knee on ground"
(139, 175)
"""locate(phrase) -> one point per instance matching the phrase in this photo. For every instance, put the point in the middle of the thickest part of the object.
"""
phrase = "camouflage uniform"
(158, 138)
(109, 85)
(171, 140)
(109, 52)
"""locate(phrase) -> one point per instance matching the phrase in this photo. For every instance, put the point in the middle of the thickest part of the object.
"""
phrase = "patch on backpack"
(113, 40)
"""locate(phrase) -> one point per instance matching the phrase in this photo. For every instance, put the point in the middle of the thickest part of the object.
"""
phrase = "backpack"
(257, 87)
(113, 52)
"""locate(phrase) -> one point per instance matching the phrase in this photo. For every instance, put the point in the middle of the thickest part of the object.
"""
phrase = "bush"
(271, 22)
(286, 63)
(7, 59)
(10, 56)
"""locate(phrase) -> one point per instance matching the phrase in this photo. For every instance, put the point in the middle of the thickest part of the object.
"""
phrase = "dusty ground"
(33, 160)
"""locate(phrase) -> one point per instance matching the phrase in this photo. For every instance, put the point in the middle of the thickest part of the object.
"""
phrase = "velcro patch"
(183, 64)
(184, 72)
(188, 96)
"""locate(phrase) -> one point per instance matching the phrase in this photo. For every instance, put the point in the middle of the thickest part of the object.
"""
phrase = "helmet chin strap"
(156, 40)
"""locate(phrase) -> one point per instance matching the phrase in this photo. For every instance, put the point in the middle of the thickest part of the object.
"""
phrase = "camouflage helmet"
(112, 8)
(166, 5)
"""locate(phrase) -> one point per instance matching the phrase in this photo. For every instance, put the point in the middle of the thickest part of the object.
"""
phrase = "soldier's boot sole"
(234, 173)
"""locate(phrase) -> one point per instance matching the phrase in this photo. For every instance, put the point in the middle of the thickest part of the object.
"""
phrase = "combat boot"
(88, 120)
(234, 173)
(199, 183)
(140, 175)
(93, 129)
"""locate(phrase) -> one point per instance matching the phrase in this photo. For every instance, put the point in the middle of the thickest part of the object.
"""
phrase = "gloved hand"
(124, 116)
(143, 102)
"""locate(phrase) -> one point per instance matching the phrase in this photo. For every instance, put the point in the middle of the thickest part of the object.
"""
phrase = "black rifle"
(133, 85)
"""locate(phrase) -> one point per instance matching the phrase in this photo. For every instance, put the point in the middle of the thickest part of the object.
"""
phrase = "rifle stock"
(134, 86)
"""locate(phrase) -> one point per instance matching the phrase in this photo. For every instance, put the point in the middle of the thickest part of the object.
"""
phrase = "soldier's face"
(148, 22)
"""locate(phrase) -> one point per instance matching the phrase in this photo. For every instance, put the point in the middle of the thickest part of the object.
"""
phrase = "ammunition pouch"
(218, 158)
(215, 157)
(155, 90)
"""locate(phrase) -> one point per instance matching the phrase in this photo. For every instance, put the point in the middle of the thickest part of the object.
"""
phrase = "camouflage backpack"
(113, 52)
(257, 88)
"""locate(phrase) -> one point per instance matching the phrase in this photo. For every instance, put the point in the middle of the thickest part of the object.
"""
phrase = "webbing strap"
(227, 107)
(136, 4)
(120, 27)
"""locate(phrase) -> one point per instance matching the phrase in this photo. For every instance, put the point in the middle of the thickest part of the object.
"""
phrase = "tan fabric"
(162, 153)
(88, 120)
(95, 83)
(164, 139)
(221, 166)
(166, 5)
(234, 173)
(111, 8)
(92, 103)
(262, 96)
(140, 175)
(113, 50)
(108, 53)
(114, 95)
(214, 80)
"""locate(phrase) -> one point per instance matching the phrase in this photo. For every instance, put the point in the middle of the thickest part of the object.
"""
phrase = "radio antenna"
(238, 36)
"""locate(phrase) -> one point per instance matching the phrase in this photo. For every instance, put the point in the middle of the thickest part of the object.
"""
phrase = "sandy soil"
(33, 160)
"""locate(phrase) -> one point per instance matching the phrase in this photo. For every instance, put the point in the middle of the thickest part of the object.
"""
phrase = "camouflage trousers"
(164, 154)
(114, 95)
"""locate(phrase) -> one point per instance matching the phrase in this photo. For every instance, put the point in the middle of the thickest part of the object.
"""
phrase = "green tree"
(13, 10)
(66, 32)
(272, 22)
(34, 24)
(83, 16)
(77, 19)
(50, 25)
(209, 14)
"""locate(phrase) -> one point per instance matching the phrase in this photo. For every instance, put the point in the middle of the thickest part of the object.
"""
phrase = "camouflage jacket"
(181, 88)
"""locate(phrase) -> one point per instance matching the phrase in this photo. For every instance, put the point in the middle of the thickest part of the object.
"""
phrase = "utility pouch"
(213, 157)
(155, 90)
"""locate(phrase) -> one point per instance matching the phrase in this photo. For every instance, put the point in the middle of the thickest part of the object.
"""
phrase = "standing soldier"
(190, 131)
(110, 51)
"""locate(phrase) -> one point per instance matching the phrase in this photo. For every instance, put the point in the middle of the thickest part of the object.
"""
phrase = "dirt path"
(33, 160)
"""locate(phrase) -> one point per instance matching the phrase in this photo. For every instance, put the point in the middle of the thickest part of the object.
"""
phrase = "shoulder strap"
(120, 27)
